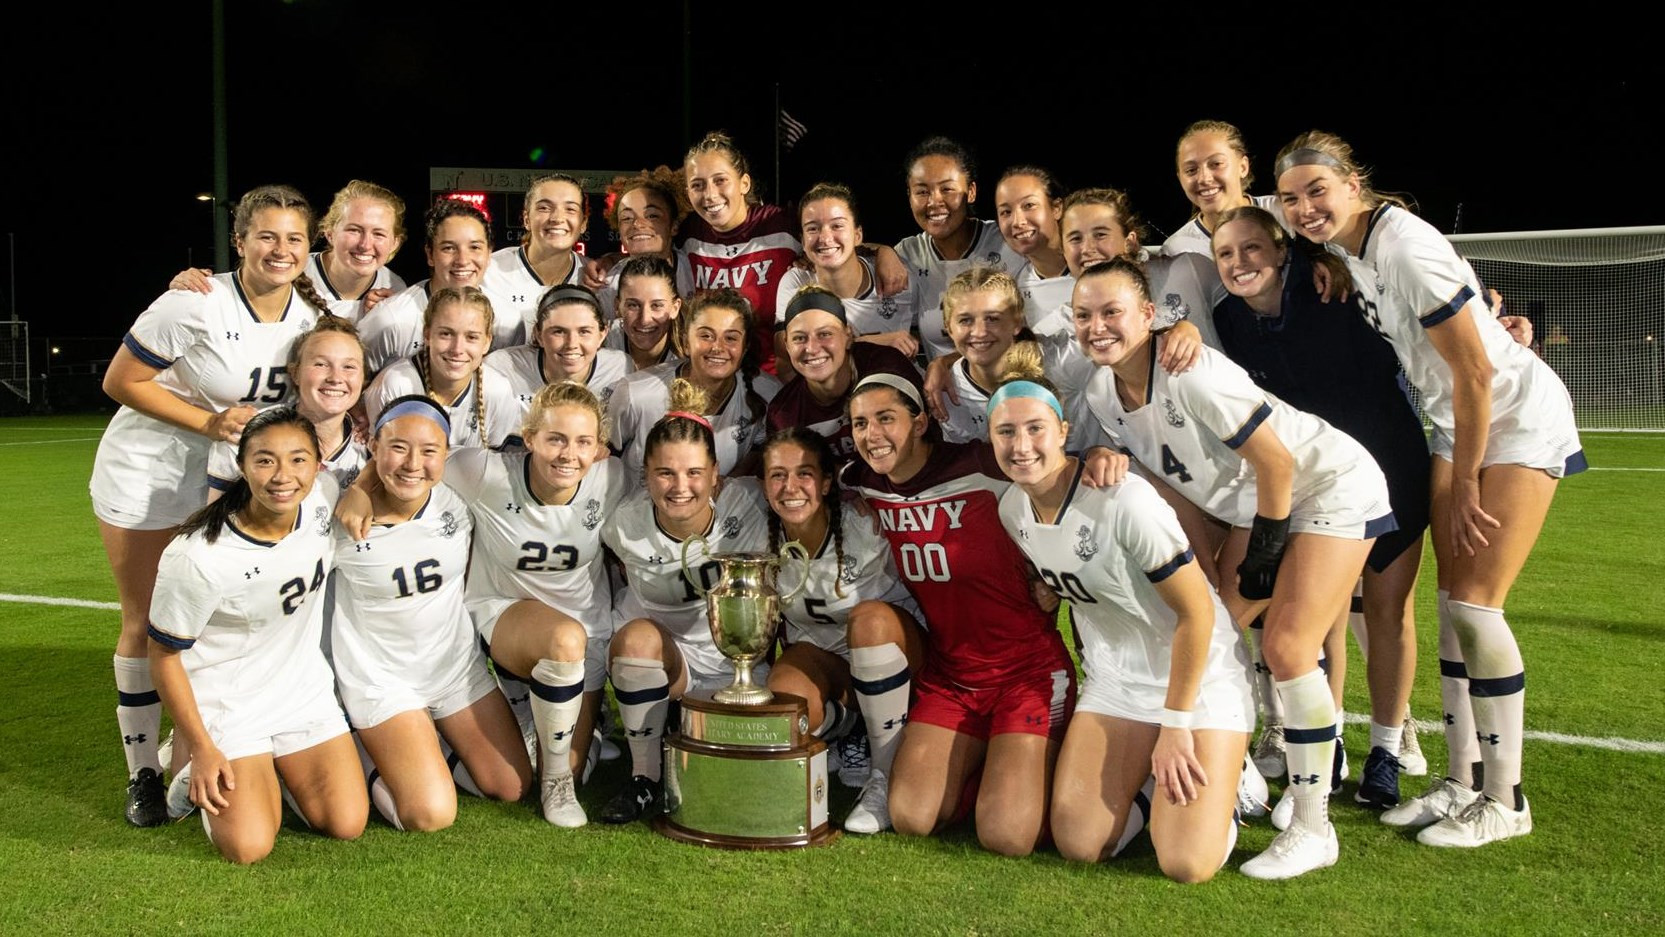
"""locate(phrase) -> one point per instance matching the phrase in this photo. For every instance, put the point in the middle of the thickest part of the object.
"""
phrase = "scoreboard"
(501, 194)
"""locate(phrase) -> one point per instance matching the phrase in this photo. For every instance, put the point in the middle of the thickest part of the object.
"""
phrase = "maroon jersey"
(750, 259)
(794, 405)
(969, 578)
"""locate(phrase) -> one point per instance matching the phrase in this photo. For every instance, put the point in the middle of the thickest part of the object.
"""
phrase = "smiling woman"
(458, 249)
(555, 216)
(456, 333)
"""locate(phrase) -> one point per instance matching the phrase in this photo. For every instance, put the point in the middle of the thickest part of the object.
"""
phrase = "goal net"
(1596, 298)
(14, 358)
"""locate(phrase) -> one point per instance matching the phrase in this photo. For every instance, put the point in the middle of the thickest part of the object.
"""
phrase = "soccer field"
(1585, 612)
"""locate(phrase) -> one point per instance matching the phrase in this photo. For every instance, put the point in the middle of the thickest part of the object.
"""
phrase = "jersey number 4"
(1172, 466)
(295, 590)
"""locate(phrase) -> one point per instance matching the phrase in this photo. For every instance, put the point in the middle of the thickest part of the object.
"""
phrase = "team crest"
(887, 308)
(447, 524)
(847, 570)
(730, 526)
(1175, 418)
(322, 516)
(740, 433)
(1176, 307)
(994, 260)
(1085, 548)
(592, 514)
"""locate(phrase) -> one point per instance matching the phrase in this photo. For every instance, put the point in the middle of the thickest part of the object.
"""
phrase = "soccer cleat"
(638, 796)
(1338, 767)
(147, 799)
(1252, 795)
(604, 724)
(1411, 759)
(855, 761)
(1284, 811)
(1295, 851)
(872, 811)
(179, 795)
(560, 803)
(1482, 821)
(1268, 751)
(164, 751)
(1444, 798)
(1379, 787)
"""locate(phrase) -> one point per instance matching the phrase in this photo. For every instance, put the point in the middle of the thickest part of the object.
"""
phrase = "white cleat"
(1444, 798)
(1252, 795)
(1268, 751)
(1296, 851)
(1482, 821)
(560, 803)
(872, 811)
(179, 794)
(1412, 761)
(1284, 812)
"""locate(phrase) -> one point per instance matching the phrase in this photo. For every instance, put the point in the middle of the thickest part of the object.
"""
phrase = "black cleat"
(147, 799)
(637, 797)
(1379, 787)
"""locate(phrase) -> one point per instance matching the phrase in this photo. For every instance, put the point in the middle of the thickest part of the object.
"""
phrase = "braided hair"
(466, 296)
(832, 502)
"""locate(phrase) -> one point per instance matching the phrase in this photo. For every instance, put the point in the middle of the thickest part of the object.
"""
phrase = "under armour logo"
(1033, 720)
(558, 736)
(896, 723)
(656, 559)
(360, 547)
(1490, 739)
(511, 506)
(1120, 421)
(234, 336)
(1260, 667)
(252, 574)
(130, 739)
(1450, 720)
(1303, 779)
(517, 299)
(517, 700)
(639, 733)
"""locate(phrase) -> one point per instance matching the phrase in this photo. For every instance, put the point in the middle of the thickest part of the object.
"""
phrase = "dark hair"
(211, 519)
(686, 397)
(1117, 201)
(750, 359)
(933, 430)
(1125, 266)
(835, 190)
(284, 198)
(451, 208)
(942, 146)
(663, 181)
(647, 265)
(532, 187)
(718, 141)
(566, 294)
(832, 502)
(1049, 183)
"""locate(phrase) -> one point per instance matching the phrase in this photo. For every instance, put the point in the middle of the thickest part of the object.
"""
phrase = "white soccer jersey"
(968, 420)
(866, 314)
(1105, 552)
(348, 307)
(658, 589)
(525, 549)
(641, 399)
(213, 352)
(820, 614)
(515, 375)
(1186, 287)
(931, 272)
(393, 330)
(1193, 238)
(402, 379)
(344, 463)
(247, 616)
(1411, 279)
(1043, 295)
(609, 294)
(1190, 425)
(615, 341)
(399, 618)
(514, 289)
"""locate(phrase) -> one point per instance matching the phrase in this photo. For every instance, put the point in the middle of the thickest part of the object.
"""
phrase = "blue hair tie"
(1025, 389)
(414, 406)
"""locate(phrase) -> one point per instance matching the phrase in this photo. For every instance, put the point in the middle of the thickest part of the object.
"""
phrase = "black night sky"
(1528, 125)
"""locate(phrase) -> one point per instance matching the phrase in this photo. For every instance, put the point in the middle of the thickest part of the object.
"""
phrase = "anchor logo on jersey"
(887, 307)
(847, 570)
(1085, 548)
(321, 514)
(1175, 418)
(994, 260)
(1176, 307)
(740, 434)
(592, 515)
(448, 524)
(730, 526)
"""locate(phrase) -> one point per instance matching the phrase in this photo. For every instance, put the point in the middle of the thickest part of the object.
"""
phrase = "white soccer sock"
(1355, 621)
(1497, 692)
(643, 690)
(832, 713)
(459, 771)
(1461, 746)
(1138, 814)
(1271, 706)
(1309, 743)
(1387, 737)
(138, 714)
(557, 696)
(882, 682)
(381, 797)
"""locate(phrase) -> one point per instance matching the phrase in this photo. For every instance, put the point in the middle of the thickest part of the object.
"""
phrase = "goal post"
(1596, 298)
(14, 359)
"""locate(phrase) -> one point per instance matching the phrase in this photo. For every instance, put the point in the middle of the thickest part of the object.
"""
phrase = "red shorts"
(1039, 704)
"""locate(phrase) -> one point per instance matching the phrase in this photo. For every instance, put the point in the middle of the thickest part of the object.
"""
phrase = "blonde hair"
(685, 397)
(981, 279)
(563, 394)
(466, 296)
(1338, 149)
(357, 189)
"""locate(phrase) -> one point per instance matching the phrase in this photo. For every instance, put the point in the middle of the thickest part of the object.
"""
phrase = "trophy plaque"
(742, 770)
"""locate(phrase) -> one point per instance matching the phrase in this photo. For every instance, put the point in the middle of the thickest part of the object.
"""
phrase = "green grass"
(1584, 610)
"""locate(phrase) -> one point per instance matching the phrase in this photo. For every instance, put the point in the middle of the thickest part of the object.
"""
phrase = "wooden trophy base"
(745, 777)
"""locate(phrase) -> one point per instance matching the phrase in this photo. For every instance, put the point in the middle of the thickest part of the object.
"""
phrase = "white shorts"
(707, 668)
(486, 612)
(1224, 703)
(262, 731)
(148, 475)
(1352, 505)
(835, 639)
(1556, 450)
(369, 706)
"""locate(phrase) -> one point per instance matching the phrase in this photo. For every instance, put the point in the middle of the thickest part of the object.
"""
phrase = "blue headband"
(1025, 389)
(414, 406)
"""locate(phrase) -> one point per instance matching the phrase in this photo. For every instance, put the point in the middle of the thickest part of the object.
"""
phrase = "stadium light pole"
(222, 194)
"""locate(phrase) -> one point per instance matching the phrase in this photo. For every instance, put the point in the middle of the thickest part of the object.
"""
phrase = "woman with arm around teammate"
(448, 367)
(854, 629)
(1166, 689)
(458, 250)
(1304, 500)
(234, 643)
(191, 370)
(1503, 437)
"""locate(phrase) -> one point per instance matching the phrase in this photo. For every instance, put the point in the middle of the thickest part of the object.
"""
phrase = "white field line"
(1429, 727)
(55, 600)
(48, 442)
(1609, 468)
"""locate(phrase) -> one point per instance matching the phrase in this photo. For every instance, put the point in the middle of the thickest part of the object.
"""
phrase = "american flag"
(791, 131)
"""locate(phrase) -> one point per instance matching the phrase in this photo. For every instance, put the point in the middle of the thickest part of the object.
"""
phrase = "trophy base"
(745, 776)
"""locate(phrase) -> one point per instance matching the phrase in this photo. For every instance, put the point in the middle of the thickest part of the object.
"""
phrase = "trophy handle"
(788, 550)
(692, 577)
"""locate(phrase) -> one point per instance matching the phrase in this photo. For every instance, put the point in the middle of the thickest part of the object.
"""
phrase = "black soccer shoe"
(1379, 787)
(147, 799)
(638, 797)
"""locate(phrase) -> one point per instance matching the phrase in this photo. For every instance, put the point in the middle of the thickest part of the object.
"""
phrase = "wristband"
(1178, 718)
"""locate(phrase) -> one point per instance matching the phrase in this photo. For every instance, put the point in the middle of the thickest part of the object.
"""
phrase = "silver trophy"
(743, 610)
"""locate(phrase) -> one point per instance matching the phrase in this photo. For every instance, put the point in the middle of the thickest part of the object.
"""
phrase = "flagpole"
(776, 195)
